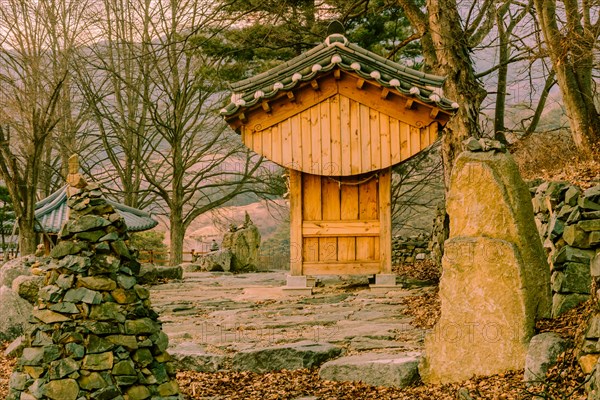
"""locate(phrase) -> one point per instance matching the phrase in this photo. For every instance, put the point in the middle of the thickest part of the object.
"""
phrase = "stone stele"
(495, 279)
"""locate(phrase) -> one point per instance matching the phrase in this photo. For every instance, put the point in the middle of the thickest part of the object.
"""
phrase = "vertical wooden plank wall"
(296, 251)
(330, 200)
(311, 210)
(340, 136)
(385, 220)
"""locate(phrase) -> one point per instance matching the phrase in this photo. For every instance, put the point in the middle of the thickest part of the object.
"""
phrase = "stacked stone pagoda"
(94, 334)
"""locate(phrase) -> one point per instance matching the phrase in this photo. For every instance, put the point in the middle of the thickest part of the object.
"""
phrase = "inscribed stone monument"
(495, 279)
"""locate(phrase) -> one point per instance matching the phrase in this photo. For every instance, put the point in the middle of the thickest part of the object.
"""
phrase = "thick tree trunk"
(27, 239)
(454, 62)
(177, 233)
(571, 52)
(579, 106)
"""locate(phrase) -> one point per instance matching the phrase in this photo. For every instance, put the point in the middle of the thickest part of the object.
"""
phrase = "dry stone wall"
(407, 250)
(568, 221)
(95, 335)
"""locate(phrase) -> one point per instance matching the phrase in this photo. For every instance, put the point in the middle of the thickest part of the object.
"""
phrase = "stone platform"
(214, 318)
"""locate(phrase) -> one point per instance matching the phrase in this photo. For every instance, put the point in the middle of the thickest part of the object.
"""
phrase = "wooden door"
(338, 223)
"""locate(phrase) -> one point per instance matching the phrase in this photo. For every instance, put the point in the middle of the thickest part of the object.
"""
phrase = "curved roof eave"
(338, 52)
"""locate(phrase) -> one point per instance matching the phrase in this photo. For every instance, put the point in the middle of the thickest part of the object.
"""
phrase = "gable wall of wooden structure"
(337, 130)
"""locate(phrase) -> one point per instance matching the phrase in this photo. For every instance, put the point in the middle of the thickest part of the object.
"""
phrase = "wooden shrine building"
(338, 117)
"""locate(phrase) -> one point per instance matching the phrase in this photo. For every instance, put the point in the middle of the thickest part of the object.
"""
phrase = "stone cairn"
(95, 335)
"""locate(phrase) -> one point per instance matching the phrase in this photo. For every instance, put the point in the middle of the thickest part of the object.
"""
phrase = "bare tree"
(155, 96)
(447, 41)
(571, 34)
(36, 39)
(113, 76)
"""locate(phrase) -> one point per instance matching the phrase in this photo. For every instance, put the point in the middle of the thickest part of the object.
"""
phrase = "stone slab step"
(193, 357)
(304, 354)
(377, 369)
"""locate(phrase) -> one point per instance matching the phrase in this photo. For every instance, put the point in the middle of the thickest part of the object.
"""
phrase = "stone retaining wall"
(407, 250)
(568, 221)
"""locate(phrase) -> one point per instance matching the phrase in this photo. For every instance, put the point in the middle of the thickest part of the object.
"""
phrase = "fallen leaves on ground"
(425, 270)
(288, 385)
(6, 366)
(425, 309)
(570, 324)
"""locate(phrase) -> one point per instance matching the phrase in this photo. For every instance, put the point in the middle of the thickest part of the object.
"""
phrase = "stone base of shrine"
(384, 283)
(299, 285)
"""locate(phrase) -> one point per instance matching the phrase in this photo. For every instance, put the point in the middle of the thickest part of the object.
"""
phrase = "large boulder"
(244, 244)
(15, 313)
(13, 268)
(495, 279)
(543, 352)
(153, 274)
(219, 260)
(28, 287)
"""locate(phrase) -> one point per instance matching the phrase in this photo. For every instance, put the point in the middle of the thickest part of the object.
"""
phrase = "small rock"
(15, 348)
(88, 223)
(593, 193)
(141, 326)
(575, 278)
(589, 225)
(564, 302)
(49, 317)
(63, 389)
(587, 204)
(28, 287)
(588, 362)
(576, 236)
(138, 393)
(97, 283)
(571, 195)
(572, 254)
(92, 381)
(542, 354)
(98, 362)
(65, 248)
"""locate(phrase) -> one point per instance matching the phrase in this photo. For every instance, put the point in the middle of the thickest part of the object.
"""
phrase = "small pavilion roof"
(337, 51)
(51, 213)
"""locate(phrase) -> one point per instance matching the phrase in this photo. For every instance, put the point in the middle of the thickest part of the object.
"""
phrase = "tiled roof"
(336, 51)
(51, 213)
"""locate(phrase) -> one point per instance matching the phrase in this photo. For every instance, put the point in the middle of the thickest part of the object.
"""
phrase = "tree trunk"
(454, 62)
(502, 81)
(176, 234)
(27, 240)
(579, 106)
(570, 47)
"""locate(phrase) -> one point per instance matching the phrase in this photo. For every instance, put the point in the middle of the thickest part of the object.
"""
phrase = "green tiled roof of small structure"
(51, 213)
(336, 51)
